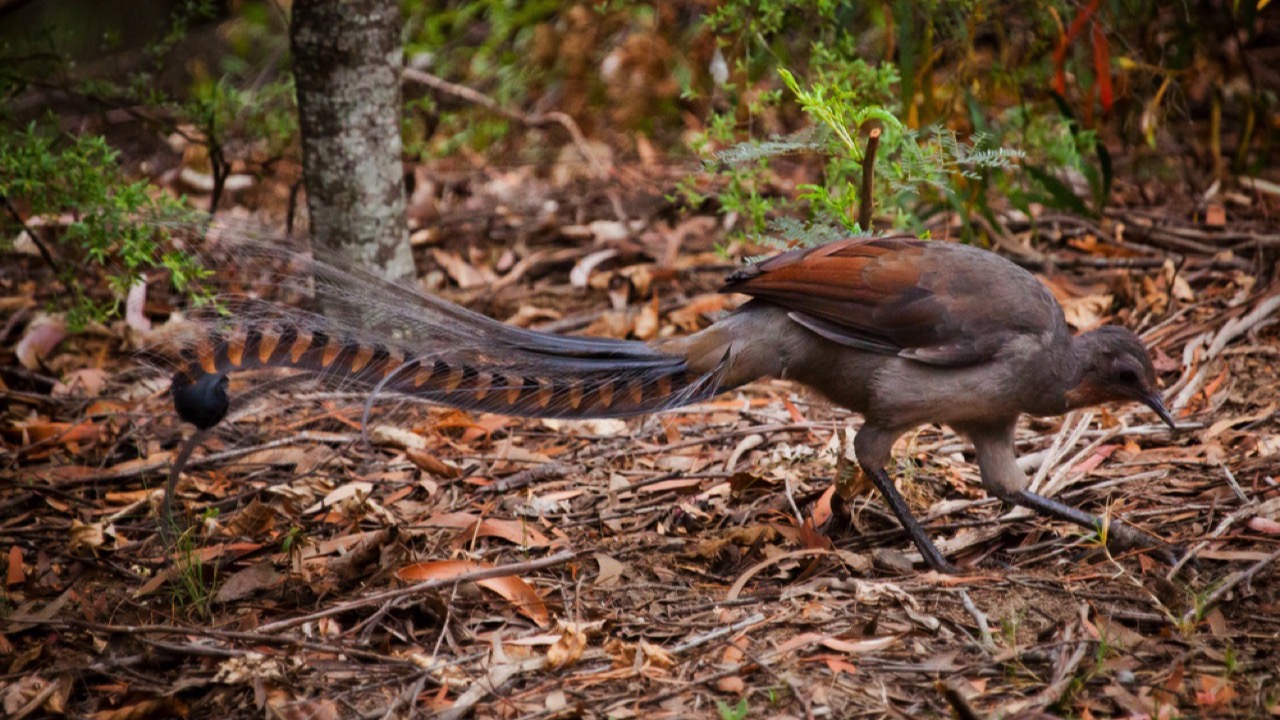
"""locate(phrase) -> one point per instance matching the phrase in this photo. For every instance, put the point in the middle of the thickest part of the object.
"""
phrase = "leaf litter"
(490, 567)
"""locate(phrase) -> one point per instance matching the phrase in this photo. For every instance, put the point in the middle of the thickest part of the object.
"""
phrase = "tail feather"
(536, 378)
(389, 338)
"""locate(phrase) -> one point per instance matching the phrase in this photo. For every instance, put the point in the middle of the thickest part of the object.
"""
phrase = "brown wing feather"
(925, 300)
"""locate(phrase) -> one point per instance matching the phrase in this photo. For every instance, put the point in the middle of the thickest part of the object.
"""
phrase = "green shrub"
(115, 226)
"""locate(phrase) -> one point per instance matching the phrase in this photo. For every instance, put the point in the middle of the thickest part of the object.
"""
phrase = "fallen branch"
(537, 120)
(425, 586)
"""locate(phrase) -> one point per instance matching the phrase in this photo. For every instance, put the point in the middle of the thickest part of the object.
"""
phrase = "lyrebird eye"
(1128, 377)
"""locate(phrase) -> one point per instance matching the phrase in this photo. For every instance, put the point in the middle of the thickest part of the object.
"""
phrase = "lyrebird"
(902, 330)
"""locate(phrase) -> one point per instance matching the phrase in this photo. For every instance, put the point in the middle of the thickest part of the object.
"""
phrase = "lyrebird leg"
(898, 504)
(1119, 535)
(368, 403)
(168, 526)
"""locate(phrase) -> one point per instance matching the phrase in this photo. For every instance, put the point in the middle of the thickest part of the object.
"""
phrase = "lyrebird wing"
(929, 301)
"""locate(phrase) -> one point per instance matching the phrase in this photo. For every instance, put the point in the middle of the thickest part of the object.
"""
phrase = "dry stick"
(406, 698)
(545, 471)
(953, 690)
(1265, 509)
(718, 633)
(1063, 675)
(229, 635)
(378, 598)
(39, 700)
(984, 631)
(32, 234)
(865, 208)
(1216, 596)
(1230, 330)
(538, 120)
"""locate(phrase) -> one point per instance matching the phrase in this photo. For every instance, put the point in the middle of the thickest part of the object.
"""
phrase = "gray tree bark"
(347, 59)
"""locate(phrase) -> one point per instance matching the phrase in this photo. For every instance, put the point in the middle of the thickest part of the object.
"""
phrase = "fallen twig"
(979, 617)
(379, 598)
(536, 120)
(1216, 596)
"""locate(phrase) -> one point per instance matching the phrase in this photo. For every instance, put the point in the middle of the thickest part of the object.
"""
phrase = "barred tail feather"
(543, 376)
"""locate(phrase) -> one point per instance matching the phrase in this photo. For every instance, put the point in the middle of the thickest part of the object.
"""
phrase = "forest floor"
(480, 566)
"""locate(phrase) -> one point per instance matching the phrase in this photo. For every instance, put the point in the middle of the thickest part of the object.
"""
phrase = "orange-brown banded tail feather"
(633, 380)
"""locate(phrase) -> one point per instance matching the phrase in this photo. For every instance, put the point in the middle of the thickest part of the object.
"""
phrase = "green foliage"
(224, 112)
(912, 169)
(734, 712)
(114, 224)
(484, 44)
(741, 173)
(243, 107)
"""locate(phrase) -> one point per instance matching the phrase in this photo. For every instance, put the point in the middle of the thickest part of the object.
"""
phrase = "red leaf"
(516, 591)
(1060, 52)
(1102, 66)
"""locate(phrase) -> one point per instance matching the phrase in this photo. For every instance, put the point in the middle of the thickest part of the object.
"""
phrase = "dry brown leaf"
(848, 647)
(253, 579)
(646, 327)
(1087, 312)
(568, 648)
(63, 433)
(529, 315)
(255, 520)
(514, 590)
(86, 537)
(15, 575)
(396, 437)
(655, 655)
(610, 571)
(85, 382)
(157, 707)
(622, 653)
(515, 532)
(689, 318)
(614, 324)
(731, 685)
(357, 491)
(463, 273)
(1218, 427)
(432, 464)
(42, 335)
(30, 689)
(837, 664)
(1214, 693)
(302, 459)
(580, 275)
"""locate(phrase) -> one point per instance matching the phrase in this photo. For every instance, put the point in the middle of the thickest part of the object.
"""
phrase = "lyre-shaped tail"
(389, 338)
(516, 372)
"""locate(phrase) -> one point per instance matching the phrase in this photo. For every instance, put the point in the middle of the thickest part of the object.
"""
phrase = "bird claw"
(944, 567)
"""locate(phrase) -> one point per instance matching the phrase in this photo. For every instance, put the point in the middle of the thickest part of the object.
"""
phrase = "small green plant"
(86, 210)
(193, 584)
(293, 540)
(1230, 660)
(736, 712)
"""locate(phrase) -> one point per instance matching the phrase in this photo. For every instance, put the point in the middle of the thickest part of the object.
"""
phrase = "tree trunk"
(347, 60)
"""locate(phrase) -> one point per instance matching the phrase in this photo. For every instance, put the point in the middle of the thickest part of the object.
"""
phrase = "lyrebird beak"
(1155, 401)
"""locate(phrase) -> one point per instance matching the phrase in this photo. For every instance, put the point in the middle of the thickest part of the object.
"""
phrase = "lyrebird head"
(1115, 366)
